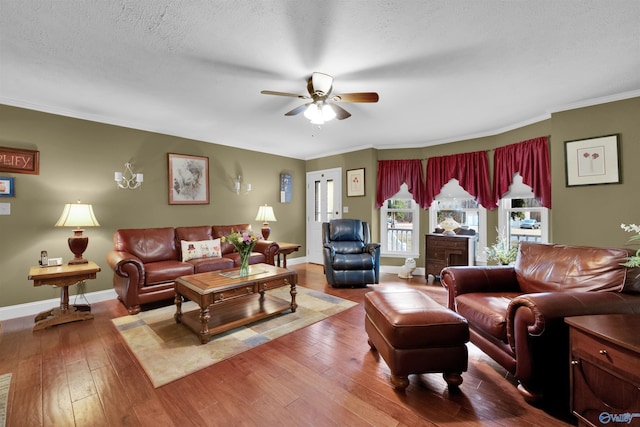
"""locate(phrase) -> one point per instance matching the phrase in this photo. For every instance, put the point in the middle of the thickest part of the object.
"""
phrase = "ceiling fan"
(322, 106)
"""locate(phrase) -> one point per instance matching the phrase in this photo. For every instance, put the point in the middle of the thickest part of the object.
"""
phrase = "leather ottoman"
(416, 335)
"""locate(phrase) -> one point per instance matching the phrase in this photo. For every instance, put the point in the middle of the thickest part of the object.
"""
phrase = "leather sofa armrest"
(269, 249)
(536, 312)
(467, 279)
(127, 265)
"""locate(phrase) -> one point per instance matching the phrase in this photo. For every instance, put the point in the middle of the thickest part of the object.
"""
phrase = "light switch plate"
(345, 209)
(5, 208)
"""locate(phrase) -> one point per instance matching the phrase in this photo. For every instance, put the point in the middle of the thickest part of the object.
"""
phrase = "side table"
(62, 276)
(605, 369)
(286, 249)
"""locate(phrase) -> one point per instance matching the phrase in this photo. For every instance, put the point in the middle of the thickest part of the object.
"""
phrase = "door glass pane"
(317, 202)
(330, 214)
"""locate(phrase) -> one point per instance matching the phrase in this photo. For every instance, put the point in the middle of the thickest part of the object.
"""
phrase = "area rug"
(5, 382)
(168, 351)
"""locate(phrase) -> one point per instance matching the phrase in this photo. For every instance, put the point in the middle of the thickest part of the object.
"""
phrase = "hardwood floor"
(83, 374)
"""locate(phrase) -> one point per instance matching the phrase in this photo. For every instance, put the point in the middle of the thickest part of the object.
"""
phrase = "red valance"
(531, 160)
(393, 173)
(470, 169)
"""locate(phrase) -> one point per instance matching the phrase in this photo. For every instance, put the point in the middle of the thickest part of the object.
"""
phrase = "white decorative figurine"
(408, 268)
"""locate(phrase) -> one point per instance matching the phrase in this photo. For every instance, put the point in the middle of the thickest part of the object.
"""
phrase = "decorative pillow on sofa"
(201, 249)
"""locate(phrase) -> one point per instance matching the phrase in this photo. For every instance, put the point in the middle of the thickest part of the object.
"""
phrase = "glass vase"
(244, 265)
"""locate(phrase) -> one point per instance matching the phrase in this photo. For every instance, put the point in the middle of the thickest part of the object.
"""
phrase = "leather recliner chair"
(350, 259)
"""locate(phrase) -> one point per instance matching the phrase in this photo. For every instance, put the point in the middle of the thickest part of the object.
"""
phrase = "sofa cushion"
(194, 233)
(560, 268)
(361, 261)
(148, 244)
(200, 249)
(486, 312)
(202, 265)
(166, 271)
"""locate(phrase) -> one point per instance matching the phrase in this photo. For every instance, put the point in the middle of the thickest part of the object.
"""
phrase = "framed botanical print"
(592, 161)
(188, 179)
(355, 182)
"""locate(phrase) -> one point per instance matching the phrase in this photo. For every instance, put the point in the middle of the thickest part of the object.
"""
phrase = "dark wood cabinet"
(605, 369)
(446, 250)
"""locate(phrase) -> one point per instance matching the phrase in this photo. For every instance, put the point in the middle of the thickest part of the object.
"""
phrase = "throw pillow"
(201, 249)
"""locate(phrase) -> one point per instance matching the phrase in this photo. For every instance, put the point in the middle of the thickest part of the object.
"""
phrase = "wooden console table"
(286, 249)
(62, 276)
(605, 369)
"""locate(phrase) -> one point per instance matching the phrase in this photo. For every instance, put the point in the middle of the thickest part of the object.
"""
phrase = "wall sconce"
(238, 186)
(128, 179)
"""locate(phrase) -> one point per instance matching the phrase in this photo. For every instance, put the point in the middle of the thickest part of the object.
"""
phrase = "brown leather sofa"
(146, 261)
(516, 313)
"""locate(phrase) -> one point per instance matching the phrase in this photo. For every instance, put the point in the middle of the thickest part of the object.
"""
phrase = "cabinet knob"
(575, 362)
(603, 352)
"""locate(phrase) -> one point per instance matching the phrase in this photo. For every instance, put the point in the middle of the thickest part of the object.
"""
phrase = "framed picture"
(592, 161)
(17, 160)
(6, 187)
(285, 188)
(188, 179)
(355, 182)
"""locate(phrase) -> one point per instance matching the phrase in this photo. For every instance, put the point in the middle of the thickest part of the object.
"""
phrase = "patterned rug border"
(168, 351)
(5, 383)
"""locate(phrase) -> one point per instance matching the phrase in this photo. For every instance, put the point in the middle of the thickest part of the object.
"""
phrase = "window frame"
(403, 194)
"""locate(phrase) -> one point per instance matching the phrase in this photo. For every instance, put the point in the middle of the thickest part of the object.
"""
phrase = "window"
(521, 216)
(453, 201)
(400, 225)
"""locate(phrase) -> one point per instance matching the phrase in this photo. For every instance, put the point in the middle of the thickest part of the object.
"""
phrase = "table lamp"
(77, 215)
(265, 214)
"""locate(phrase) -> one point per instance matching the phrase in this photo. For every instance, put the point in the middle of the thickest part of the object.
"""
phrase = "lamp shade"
(265, 214)
(77, 215)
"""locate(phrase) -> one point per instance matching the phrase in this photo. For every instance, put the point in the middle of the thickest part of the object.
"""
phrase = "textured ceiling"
(444, 70)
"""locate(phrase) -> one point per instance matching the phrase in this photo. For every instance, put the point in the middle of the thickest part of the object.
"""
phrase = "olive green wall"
(77, 161)
(588, 215)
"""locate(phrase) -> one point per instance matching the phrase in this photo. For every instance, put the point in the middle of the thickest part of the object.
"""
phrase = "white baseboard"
(36, 307)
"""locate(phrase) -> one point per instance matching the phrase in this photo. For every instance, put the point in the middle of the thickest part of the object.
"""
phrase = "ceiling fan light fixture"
(328, 113)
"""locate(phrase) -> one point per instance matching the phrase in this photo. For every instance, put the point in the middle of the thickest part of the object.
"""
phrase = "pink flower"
(595, 155)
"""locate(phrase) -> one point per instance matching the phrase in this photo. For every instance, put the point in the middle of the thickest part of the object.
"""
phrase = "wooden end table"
(227, 301)
(286, 249)
(63, 276)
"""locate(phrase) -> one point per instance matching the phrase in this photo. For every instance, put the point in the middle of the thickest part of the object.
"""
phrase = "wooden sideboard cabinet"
(445, 250)
(605, 369)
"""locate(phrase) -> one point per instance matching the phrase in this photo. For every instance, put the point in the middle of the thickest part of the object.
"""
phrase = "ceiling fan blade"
(341, 113)
(294, 95)
(356, 97)
(297, 110)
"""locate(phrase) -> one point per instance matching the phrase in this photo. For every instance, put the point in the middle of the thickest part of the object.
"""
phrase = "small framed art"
(188, 179)
(592, 161)
(6, 187)
(355, 182)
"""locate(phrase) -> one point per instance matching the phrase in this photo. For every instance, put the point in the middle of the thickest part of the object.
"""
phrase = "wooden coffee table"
(227, 301)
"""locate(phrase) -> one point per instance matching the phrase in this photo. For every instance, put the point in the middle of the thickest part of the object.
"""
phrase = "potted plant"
(634, 260)
(504, 252)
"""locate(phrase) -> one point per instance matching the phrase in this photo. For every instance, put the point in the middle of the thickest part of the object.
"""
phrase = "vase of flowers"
(503, 251)
(243, 242)
(634, 260)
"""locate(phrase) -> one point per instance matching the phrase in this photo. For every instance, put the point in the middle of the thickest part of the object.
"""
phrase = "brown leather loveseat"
(516, 313)
(146, 261)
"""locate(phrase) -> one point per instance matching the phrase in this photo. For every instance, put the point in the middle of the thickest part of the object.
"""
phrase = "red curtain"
(393, 173)
(530, 159)
(470, 169)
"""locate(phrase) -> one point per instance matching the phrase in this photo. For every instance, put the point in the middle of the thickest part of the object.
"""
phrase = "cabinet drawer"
(606, 355)
(448, 243)
(233, 293)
